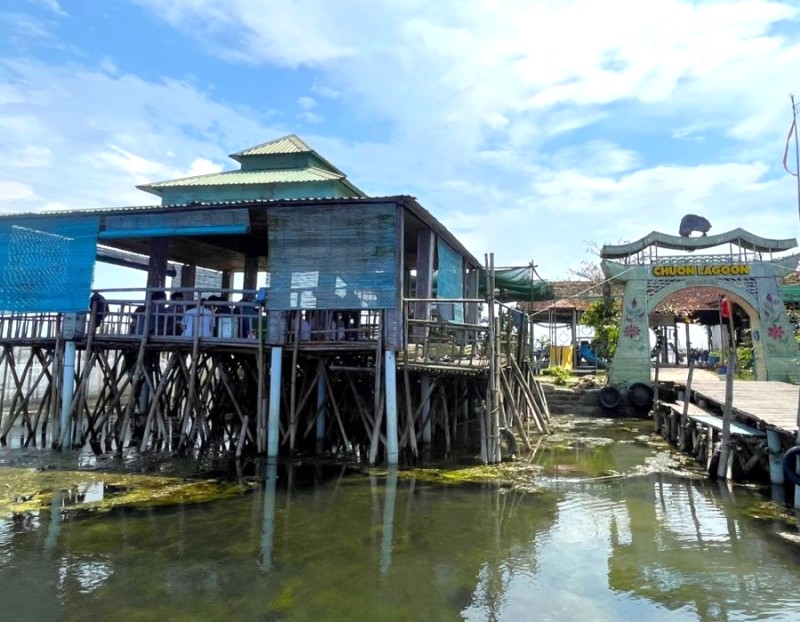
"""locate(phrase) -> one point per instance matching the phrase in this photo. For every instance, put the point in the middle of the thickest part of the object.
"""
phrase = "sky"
(533, 129)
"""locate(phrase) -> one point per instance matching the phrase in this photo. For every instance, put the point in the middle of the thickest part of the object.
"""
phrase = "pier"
(763, 423)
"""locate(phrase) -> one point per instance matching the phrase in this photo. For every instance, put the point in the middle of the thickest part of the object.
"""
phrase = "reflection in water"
(320, 543)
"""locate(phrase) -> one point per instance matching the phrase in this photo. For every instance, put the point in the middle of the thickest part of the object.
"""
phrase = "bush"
(559, 373)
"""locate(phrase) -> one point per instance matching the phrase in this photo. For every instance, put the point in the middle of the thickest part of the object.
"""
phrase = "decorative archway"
(743, 274)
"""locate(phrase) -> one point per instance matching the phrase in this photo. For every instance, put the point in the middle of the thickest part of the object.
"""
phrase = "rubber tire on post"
(508, 444)
(640, 395)
(790, 464)
(609, 397)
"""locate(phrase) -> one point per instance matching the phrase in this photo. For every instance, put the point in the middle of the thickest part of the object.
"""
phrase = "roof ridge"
(300, 146)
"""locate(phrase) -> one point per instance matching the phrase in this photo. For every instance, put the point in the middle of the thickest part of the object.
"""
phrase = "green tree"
(603, 316)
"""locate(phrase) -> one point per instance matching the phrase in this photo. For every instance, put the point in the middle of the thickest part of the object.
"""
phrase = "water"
(597, 525)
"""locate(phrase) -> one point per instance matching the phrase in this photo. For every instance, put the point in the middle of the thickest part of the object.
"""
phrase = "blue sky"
(531, 128)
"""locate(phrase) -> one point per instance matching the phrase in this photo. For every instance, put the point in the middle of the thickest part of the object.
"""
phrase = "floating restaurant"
(356, 329)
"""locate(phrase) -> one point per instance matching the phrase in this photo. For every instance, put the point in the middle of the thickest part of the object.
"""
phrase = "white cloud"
(15, 191)
(527, 127)
(307, 103)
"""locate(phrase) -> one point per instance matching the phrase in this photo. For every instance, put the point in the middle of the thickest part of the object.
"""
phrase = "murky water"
(596, 525)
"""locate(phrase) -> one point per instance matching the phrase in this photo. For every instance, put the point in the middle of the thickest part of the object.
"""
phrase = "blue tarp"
(450, 282)
(332, 257)
(46, 264)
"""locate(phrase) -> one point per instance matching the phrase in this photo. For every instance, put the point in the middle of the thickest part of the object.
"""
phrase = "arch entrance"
(748, 273)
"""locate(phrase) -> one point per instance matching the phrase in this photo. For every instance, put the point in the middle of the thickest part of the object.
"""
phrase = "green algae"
(74, 492)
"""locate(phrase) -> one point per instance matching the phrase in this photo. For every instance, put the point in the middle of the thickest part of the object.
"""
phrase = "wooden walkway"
(762, 405)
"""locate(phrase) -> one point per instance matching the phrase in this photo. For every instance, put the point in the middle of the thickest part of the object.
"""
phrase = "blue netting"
(47, 263)
(332, 257)
(450, 282)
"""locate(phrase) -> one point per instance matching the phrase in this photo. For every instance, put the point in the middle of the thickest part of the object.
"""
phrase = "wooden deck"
(762, 405)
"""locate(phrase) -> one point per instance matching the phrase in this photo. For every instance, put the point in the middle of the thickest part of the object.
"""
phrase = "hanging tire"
(609, 397)
(640, 395)
(790, 466)
(508, 444)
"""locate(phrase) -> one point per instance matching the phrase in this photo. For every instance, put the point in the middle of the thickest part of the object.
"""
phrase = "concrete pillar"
(390, 374)
(775, 457)
(273, 422)
(268, 528)
(387, 533)
(67, 391)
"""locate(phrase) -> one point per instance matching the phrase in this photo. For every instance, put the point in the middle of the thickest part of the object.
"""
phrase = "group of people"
(328, 325)
(212, 317)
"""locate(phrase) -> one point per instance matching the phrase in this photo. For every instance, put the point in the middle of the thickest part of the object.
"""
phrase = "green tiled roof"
(280, 176)
(287, 144)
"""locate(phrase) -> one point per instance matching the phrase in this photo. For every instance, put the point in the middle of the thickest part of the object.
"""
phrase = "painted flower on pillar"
(775, 331)
(631, 331)
(633, 312)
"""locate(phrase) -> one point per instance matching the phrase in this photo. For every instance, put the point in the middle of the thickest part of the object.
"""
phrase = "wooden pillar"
(322, 396)
(575, 355)
(250, 279)
(188, 276)
(390, 376)
(425, 390)
(425, 248)
(273, 423)
(424, 289)
(157, 266)
(226, 283)
(473, 308)
(688, 343)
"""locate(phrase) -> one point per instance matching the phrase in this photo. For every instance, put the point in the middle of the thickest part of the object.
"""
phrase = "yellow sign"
(725, 269)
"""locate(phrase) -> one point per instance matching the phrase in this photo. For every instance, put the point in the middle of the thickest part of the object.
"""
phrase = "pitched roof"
(287, 144)
(263, 169)
(281, 176)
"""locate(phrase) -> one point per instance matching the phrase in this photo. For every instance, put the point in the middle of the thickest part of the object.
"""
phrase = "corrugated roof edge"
(407, 201)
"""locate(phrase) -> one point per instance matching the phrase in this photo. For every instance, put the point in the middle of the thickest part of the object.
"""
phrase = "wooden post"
(322, 397)
(425, 392)
(273, 424)
(723, 470)
(424, 289)
(157, 266)
(685, 414)
(250, 277)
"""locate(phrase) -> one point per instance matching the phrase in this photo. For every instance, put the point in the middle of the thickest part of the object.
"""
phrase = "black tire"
(790, 466)
(640, 395)
(609, 397)
(508, 444)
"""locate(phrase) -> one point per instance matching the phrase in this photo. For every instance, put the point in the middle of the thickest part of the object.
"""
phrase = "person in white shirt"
(198, 320)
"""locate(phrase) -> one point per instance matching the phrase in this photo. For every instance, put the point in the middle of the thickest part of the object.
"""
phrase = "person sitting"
(175, 313)
(98, 306)
(248, 314)
(198, 321)
(305, 329)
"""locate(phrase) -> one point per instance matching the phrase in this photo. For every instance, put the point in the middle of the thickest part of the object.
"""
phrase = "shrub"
(559, 373)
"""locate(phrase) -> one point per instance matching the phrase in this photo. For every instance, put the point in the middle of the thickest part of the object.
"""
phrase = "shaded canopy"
(516, 285)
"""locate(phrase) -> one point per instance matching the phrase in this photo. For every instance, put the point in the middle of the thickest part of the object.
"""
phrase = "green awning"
(790, 293)
(516, 284)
